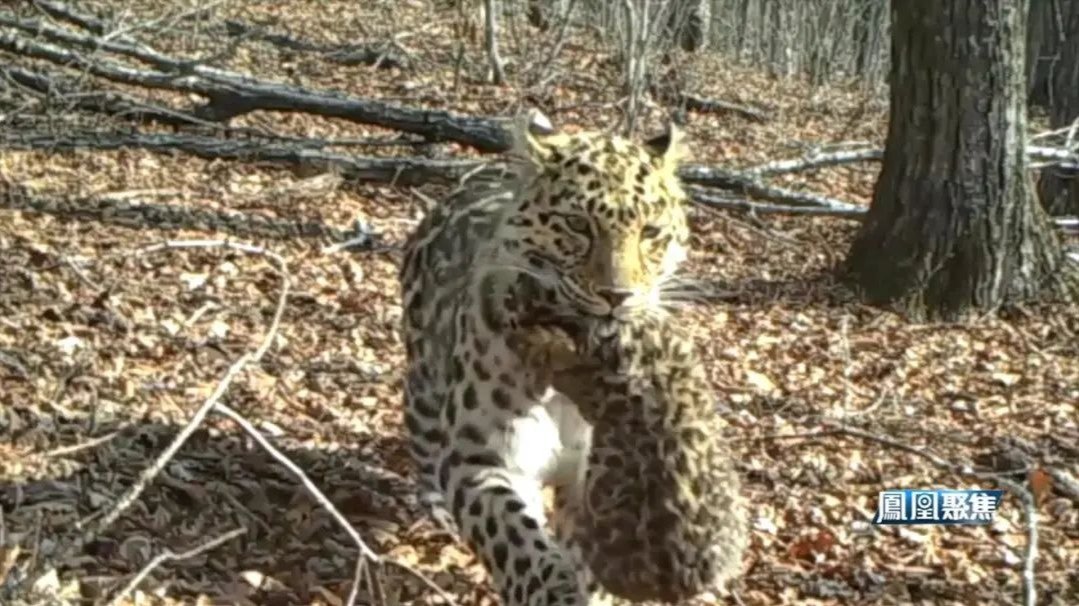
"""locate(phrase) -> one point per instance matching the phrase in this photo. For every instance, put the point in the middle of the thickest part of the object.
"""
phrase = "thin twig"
(278, 260)
(366, 554)
(1030, 556)
(300, 475)
(149, 473)
(73, 448)
(170, 556)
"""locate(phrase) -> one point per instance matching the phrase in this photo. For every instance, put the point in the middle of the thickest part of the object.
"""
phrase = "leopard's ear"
(529, 130)
(669, 147)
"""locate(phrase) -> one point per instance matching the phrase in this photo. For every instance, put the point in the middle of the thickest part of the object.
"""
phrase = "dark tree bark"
(740, 34)
(689, 20)
(1059, 187)
(537, 15)
(953, 227)
(1043, 45)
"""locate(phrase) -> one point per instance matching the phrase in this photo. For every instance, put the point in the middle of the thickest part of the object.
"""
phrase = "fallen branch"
(1056, 156)
(365, 552)
(813, 161)
(231, 94)
(738, 182)
(53, 89)
(170, 556)
(351, 54)
(166, 217)
(404, 172)
(63, 12)
(148, 474)
(306, 154)
(128, 498)
(704, 105)
(706, 198)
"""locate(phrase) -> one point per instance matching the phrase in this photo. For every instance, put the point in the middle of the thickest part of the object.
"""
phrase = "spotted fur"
(661, 516)
(584, 225)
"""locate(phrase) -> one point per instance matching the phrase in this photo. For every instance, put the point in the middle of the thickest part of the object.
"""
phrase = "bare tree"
(825, 39)
(496, 73)
(1059, 187)
(690, 21)
(953, 226)
(1043, 45)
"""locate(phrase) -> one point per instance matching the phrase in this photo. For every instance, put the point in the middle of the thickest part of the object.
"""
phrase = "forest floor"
(106, 351)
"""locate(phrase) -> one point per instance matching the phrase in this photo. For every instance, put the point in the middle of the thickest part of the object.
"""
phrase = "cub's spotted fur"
(662, 515)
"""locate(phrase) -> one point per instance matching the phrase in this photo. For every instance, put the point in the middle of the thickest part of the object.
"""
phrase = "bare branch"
(1030, 555)
(233, 94)
(732, 181)
(351, 54)
(148, 474)
(815, 160)
(170, 556)
(366, 554)
(312, 489)
(1060, 156)
(107, 102)
(278, 260)
(709, 199)
(306, 154)
(167, 217)
(695, 103)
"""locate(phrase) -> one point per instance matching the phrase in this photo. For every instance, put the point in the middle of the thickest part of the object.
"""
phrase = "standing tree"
(496, 72)
(1059, 187)
(954, 226)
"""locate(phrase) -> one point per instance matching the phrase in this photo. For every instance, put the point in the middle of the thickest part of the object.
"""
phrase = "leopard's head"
(601, 214)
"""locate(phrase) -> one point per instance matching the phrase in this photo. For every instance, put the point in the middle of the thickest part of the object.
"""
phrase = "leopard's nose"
(616, 296)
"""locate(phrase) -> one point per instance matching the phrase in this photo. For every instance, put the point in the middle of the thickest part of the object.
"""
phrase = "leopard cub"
(662, 515)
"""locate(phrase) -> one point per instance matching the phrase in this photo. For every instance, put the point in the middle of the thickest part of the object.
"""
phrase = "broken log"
(307, 156)
(695, 103)
(140, 215)
(231, 94)
(350, 54)
(56, 89)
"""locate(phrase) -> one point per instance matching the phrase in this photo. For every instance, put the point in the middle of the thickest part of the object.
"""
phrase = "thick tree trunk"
(953, 227)
(1059, 188)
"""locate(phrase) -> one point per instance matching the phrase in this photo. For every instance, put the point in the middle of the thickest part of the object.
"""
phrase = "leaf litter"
(104, 356)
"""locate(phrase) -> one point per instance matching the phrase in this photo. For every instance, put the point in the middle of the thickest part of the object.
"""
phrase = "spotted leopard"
(661, 516)
(585, 224)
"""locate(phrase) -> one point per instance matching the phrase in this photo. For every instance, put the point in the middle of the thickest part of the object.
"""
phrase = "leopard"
(578, 224)
(662, 516)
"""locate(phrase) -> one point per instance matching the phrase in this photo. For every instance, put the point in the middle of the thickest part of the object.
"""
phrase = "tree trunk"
(496, 73)
(689, 21)
(953, 227)
(741, 27)
(1042, 36)
(537, 14)
(1059, 187)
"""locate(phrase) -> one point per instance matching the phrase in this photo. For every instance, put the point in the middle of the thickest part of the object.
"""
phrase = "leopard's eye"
(578, 224)
(649, 232)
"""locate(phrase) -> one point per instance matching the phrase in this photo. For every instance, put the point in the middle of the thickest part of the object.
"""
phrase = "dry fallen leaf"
(759, 381)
